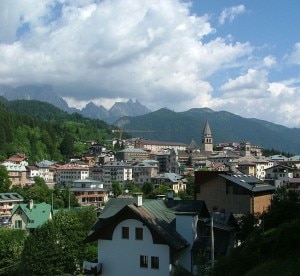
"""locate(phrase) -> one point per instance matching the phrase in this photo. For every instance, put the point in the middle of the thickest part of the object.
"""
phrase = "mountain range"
(167, 125)
(45, 93)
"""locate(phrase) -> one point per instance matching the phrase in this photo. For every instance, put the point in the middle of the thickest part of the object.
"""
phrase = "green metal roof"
(38, 215)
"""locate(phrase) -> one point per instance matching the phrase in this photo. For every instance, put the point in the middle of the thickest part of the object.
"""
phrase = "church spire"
(207, 141)
(206, 130)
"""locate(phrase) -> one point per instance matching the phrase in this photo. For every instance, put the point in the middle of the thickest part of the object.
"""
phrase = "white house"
(147, 238)
(45, 171)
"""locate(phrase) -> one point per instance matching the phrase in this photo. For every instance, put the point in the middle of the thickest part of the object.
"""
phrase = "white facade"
(68, 173)
(122, 256)
(32, 172)
(186, 226)
(261, 168)
(116, 171)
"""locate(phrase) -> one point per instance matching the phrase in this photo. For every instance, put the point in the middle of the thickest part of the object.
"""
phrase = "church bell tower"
(207, 141)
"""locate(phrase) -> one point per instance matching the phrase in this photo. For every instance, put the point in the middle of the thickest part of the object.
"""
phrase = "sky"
(239, 56)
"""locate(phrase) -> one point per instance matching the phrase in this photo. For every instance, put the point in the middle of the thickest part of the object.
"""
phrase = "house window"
(143, 261)
(18, 224)
(154, 262)
(138, 233)
(125, 232)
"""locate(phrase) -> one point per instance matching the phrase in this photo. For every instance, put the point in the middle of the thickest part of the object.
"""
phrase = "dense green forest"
(42, 131)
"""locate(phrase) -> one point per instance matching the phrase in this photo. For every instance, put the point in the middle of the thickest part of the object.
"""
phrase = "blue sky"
(238, 56)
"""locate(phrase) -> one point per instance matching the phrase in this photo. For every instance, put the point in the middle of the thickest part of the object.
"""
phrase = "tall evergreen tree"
(4, 180)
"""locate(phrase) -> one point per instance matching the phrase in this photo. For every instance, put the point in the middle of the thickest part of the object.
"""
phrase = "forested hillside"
(167, 125)
(42, 131)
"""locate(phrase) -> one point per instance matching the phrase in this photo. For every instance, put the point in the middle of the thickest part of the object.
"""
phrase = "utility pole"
(52, 201)
(212, 252)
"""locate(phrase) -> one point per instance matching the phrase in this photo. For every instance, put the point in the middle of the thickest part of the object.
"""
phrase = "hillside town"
(168, 231)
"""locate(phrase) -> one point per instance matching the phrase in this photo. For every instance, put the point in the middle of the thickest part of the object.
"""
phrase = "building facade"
(89, 192)
(116, 171)
(66, 174)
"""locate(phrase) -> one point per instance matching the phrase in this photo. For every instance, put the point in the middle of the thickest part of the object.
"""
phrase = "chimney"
(30, 204)
(138, 199)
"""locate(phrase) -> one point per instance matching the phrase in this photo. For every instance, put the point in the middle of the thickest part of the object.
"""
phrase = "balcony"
(90, 268)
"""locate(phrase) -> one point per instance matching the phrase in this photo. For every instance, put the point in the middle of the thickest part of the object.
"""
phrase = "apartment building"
(143, 171)
(17, 173)
(8, 201)
(89, 192)
(70, 172)
(116, 171)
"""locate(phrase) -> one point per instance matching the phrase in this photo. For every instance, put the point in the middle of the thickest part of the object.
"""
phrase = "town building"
(143, 171)
(279, 175)
(159, 236)
(236, 193)
(89, 192)
(70, 172)
(8, 201)
(153, 145)
(18, 158)
(30, 216)
(168, 160)
(116, 171)
(174, 181)
(132, 154)
(96, 172)
(17, 173)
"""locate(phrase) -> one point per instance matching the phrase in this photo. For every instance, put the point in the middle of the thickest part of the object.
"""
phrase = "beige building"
(143, 171)
(30, 216)
(17, 173)
(175, 181)
(153, 145)
(132, 154)
(236, 193)
(89, 192)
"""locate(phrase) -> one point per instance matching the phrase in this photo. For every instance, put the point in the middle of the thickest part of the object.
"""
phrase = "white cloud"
(150, 50)
(294, 57)
(252, 84)
(229, 14)
(269, 61)
(253, 96)
(154, 51)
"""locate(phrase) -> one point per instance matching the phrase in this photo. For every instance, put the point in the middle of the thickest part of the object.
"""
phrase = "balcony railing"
(90, 268)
